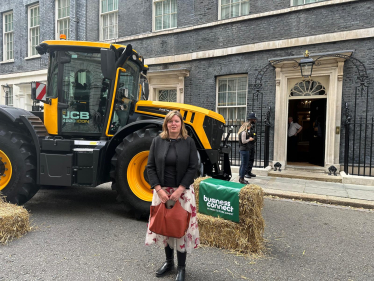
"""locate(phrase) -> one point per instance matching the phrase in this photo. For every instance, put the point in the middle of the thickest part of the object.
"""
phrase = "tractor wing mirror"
(145, 90)
(145, 87)
(108, 60)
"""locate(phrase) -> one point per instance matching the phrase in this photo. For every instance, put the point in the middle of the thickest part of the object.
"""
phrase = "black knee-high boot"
(168, 264)
(181, 266)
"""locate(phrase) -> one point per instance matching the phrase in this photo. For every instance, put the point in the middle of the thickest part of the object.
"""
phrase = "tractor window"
(52, 77)
(126, 96)
(85, 92)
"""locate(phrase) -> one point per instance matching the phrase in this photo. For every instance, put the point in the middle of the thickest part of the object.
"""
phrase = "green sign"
(219, 198)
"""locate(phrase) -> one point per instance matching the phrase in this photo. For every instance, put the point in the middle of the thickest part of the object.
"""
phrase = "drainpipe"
(76, 21)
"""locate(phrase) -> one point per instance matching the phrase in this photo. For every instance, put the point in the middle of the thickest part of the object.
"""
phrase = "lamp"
(6, 88)
(306, 65)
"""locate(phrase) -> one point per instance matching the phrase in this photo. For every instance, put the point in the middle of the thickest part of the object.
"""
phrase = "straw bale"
(14, 221)
(247, 235)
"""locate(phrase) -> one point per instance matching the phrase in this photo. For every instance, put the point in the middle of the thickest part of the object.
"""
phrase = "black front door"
(309, 145)
(317, 132)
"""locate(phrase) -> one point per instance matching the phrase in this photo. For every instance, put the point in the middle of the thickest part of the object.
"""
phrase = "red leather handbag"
(172, 222)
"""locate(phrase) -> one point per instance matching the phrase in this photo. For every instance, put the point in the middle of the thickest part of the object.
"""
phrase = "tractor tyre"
(17, 165)
(129, 172)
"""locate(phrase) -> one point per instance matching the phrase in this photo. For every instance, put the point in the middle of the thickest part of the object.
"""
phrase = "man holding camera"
(252, 119)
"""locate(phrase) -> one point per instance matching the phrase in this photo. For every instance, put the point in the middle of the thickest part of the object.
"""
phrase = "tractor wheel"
(17, 166)
(128, 171)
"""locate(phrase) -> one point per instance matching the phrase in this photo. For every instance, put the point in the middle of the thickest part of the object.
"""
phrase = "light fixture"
(306, 65)
(6, 88)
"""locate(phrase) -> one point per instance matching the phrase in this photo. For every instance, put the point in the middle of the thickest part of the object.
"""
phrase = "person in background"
(244, 140)
(293, 130)
(172, 165)
(252, 119)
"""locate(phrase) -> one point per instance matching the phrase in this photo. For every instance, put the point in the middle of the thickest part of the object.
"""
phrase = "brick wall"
(47, 30)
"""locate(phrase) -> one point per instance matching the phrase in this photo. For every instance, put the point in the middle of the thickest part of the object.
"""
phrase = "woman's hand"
(251, 139)
(177, 193)
(161, 194)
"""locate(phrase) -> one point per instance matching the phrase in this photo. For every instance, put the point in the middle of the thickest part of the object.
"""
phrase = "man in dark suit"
(252, 119)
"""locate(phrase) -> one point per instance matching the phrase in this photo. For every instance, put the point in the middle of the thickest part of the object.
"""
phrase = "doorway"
(310, 146)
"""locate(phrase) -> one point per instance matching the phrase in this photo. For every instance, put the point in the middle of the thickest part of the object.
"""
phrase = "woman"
(172, 164)
(244, 140)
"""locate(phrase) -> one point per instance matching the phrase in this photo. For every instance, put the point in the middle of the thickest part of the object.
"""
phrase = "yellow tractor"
(97, 126)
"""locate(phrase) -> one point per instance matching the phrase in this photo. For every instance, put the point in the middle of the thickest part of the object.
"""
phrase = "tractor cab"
(92, 87)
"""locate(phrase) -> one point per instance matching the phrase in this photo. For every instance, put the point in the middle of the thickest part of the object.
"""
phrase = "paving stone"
(326, 191)
(361, 194)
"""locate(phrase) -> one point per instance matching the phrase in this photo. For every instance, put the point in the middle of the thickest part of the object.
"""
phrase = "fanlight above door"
(308, 88)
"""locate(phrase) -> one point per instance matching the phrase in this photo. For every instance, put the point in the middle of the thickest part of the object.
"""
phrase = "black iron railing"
(358, 152)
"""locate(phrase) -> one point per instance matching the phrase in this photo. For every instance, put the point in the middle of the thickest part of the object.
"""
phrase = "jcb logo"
(76, 115)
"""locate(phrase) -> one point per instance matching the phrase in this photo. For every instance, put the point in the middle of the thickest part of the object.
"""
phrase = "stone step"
(311, 169)
(305, 175)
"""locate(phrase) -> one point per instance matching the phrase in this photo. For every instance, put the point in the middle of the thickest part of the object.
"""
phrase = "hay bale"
(247, 235)
(14, 221)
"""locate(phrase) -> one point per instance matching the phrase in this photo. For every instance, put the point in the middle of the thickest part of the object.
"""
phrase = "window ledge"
(33, 57)
(165, 29)
(6, 61)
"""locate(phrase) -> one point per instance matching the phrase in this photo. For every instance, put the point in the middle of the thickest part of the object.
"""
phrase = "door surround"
(332, 68)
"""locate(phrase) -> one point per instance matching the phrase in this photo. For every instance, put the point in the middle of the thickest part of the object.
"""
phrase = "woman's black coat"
(186, 161)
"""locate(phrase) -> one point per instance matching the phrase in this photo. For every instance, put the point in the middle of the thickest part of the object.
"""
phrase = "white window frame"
(5, 49)
(154, 16)
(240, 15)
(107, 14)
(60, 20)
(234, 106)
(314, 1)
(31, 47)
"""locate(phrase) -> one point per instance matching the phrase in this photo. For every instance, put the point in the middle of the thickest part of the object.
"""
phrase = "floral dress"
(189, 241)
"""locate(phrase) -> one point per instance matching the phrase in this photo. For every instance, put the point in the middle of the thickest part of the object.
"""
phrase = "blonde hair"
(243, 127)
(165, 133)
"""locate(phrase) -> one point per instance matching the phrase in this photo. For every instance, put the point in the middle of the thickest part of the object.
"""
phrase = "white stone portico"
(21, 84)
(167, 79)
(329, 72)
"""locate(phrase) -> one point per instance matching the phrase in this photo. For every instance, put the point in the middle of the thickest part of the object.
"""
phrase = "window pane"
(222, 85)
(158, 25)
(242, 98)
(231, 113)
(225, 12)
(166, 21)
(224, 2)
(223, 111)
(231, 98)
(158, 8)
(245, 8)
(110, 5)
(298, 2)
(166, 7)
(222, 99)
(173, 20)
(173, 6)
(104, 6)
(235, 9)
(231, 83)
